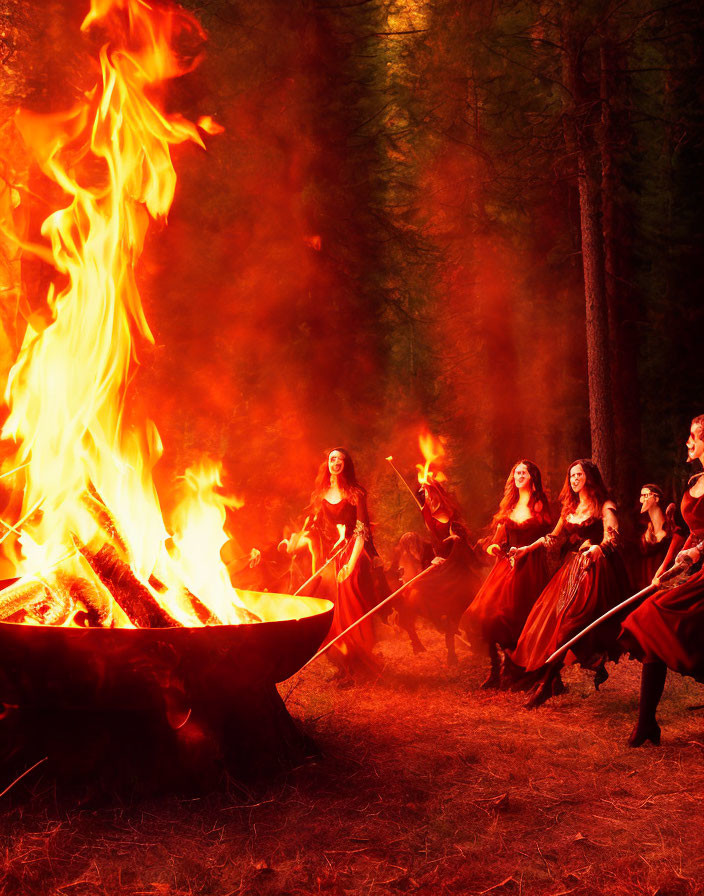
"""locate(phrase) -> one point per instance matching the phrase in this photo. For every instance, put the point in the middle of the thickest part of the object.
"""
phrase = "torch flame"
(86, 475)
(433, 451)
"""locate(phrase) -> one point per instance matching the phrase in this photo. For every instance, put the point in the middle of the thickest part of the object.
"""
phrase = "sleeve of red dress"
(500, 536)
(362, 526)
(675, 547)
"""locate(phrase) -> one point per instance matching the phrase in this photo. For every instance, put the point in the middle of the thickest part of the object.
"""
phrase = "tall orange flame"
(433, 451)
(86, 477)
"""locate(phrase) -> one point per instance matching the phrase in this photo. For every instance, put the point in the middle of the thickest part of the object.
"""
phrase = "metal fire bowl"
(123, 668)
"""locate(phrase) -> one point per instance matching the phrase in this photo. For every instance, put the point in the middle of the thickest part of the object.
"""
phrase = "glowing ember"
(91, 546)
(433, 451)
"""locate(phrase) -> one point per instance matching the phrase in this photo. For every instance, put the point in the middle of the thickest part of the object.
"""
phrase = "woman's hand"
(690, 556)
(437, 561)
(494, 550)
(591, 554)
(516, 553)
(344, 572)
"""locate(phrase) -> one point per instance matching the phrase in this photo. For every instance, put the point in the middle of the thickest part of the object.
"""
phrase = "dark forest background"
(483, 217)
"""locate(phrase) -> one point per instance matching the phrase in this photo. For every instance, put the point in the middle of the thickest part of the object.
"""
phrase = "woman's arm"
(609, 542)
(360, 534)
(499, 539)
(677, 544)
(547, 541)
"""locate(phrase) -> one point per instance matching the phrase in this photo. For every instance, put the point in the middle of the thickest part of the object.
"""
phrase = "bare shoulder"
(696, 485)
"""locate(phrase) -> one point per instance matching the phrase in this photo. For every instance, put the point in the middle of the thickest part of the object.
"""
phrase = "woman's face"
(521, 476)
(336, 463)
(648, 499)
(578, 478)
(695, 443)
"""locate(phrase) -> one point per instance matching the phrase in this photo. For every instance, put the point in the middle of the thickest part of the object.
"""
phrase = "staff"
(369, 613)
(322, 568)
(667, 576)
(398, 473)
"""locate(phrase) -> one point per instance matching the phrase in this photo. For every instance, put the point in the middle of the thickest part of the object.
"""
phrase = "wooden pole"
(369, 613)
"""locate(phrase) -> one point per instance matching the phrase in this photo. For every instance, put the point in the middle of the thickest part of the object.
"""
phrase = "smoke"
(337, 270)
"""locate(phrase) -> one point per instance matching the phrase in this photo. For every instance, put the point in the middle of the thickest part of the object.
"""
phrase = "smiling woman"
(499, 611)
(339, 510)
(591, 580)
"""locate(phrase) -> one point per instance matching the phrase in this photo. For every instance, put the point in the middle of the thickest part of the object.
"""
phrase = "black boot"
(600, 675)
(507, 673)
(549, 686)
(652, 683)
(493, 679)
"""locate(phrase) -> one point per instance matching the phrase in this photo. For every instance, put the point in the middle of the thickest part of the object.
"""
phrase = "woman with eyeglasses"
(667, 629)
(661, 539)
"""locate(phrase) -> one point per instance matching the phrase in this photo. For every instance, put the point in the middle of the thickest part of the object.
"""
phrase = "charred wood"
(202, 612)
(102, 516)
(19, 597)
(54, 607)
(135, 599)
(97, 607)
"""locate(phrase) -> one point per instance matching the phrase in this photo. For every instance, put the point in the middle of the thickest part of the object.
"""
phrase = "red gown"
(651, 555)
(362, 590)
(445, 592)
(669, 625)
(572, 599)
(499, 611)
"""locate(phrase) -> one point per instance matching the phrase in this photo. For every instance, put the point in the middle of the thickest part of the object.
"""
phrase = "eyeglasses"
(647, 494)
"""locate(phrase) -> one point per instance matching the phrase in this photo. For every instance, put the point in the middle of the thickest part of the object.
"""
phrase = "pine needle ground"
(426, 785)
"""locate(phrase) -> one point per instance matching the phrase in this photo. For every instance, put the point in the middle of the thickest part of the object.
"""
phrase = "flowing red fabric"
(361, 591)
(649, 560)
(498, 613)
(669, 625)
(445, 592)
(573, 598)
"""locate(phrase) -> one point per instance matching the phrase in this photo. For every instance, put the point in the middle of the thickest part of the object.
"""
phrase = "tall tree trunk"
(622, 314)
(578, 132)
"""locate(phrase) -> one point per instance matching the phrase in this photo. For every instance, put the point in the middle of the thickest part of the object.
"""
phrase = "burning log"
(97, 608)
(54, 607)
(102, 516)
(135, 598)
(205, 616)
(19, 597)
(35, 601)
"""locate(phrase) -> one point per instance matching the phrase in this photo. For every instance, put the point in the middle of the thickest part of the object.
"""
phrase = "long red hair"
(510, 498)
(346, 480)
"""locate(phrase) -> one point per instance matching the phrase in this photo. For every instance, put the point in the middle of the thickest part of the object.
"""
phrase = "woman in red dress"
(339, 503)
(660, 533)
(445, 593)
(499, 611)
(667, 629)
(591, 580)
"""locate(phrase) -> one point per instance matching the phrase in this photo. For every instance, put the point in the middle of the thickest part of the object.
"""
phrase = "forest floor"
(426, 785)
